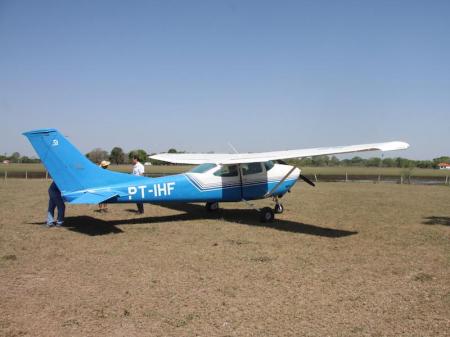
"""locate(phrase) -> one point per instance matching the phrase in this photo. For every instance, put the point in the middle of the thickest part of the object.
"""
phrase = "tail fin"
(70, 169)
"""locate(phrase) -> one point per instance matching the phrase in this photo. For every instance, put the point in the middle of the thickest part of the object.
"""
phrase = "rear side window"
(251, 168)
(203, 168)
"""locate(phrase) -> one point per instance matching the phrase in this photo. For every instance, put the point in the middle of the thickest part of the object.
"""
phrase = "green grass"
(154, 169)
(375, 171)
(320, 171)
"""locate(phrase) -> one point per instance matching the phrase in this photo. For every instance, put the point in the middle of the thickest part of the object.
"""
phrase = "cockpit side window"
(227, 171)
(251, 168)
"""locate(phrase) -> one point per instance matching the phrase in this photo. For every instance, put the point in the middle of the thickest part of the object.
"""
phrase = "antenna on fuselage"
(232, 147)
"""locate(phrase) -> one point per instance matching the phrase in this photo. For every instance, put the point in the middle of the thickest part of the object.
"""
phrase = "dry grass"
(343, 260)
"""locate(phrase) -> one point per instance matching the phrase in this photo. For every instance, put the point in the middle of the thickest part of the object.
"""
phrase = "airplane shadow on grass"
(437, 220)
(93, 226)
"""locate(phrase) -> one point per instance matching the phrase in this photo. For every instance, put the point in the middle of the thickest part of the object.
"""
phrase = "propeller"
(305, 179)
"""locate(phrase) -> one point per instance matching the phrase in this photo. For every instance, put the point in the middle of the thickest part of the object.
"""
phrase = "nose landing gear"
(278, 209)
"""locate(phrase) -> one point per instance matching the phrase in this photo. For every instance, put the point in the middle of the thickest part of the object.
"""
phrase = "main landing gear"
(212, 206)
(267, 214)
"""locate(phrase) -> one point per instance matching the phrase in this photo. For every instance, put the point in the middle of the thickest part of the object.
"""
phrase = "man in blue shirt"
(55, 200)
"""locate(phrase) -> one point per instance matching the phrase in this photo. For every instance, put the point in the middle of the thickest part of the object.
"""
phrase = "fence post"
(315, 177)
(6, 175)
(379, 177)
(346, 176)
(446, 180)
(401, 179)
(26, 174)
(46, 175)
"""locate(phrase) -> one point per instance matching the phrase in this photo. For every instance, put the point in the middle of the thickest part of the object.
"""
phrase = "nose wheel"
(278, 209)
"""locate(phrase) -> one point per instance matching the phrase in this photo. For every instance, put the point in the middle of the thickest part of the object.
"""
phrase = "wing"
(241, 158)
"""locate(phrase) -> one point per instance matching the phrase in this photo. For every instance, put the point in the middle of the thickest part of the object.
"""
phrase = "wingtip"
(396, 145)
(403, 145)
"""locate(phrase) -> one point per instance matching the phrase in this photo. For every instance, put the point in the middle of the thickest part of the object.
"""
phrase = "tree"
(172, 151)
(424, 164)
(141, 154)
(97, 155)
(334, 161)
(403, 162)
(320, 160)
(117, 156)
(15, 157)
(356, 161)
(25, 160)
(388, 162)
(373, 162)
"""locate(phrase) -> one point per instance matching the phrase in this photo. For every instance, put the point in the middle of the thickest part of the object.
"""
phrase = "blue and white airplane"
(217, 178)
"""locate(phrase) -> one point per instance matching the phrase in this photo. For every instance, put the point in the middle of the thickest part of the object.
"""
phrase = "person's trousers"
(140, 207)
(52, 204)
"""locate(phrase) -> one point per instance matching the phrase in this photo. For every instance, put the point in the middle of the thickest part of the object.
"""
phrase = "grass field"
(342, 260)
(20, 169)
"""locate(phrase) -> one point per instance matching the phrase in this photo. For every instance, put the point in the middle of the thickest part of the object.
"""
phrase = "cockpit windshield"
(203, 168)
(268, 164)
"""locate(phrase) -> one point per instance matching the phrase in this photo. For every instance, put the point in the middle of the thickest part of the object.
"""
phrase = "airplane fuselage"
(216, 183)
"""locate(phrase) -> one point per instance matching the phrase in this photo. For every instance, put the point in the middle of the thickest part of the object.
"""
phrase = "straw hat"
(105, 163)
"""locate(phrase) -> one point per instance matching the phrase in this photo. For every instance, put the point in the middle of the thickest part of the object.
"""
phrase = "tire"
(212, 206)
(267, 215)
(278, 208)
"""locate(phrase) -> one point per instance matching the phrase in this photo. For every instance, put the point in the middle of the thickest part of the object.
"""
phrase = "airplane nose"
(296, 173)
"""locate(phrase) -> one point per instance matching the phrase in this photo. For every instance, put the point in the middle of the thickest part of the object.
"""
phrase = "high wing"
(241, 158)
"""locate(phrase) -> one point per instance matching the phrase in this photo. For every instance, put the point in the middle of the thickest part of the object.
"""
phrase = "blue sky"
(195, 75)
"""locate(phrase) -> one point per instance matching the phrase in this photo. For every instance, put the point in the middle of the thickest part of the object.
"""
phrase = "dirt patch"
(342, 260)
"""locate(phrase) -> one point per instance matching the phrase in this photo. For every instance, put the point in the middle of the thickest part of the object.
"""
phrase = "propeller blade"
(306, 180)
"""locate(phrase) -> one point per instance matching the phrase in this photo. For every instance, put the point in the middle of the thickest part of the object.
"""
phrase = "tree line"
(118, 156)
(321, 161)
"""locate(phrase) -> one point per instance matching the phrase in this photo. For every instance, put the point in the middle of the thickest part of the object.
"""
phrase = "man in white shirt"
(138, 170)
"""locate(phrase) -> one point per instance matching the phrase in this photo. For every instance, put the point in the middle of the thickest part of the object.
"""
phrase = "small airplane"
(217, 178)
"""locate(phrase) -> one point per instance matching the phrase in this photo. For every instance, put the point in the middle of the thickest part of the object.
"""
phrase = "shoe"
(59, 224)
(49, 224)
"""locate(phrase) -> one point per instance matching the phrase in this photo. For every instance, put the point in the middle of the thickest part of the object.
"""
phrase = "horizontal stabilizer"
(94, 197)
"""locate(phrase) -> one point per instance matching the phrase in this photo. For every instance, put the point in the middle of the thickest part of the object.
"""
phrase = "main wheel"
(267, 215)
(212, 206)
(278, 208)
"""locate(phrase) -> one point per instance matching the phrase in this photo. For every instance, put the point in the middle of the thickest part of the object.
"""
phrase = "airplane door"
(254, 180)
(229, 179)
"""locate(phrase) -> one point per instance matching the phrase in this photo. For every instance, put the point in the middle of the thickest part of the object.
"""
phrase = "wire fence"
(347, 177)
